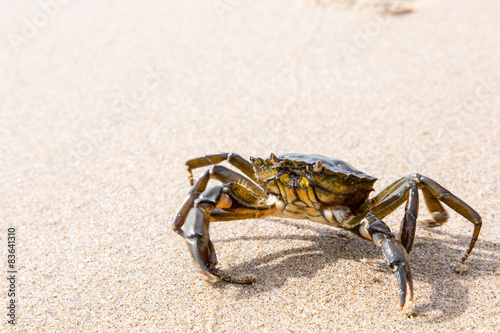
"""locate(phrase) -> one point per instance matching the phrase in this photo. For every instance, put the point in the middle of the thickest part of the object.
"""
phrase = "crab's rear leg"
(457, 204)
(404, 189)
(219, 173)
(388, 200)
(219, 203)
(438, 213)
(234, 159)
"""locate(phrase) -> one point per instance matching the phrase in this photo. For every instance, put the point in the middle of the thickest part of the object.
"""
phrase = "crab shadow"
(433, 259)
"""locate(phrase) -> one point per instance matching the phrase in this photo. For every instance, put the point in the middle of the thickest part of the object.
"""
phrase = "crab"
(316, 188)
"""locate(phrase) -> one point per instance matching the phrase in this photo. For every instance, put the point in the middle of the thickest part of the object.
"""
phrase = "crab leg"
(219, 173)
(385, 202)
(439, 214)
(458, 205)
(387, 191)
(211, 206)
(398, 261)
(234, 159)
(401, 190)
(409, 224)
(373, 228)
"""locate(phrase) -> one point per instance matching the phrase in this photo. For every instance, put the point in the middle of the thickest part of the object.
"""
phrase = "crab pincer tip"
(401, 306)
(401, 303)
(401, 276)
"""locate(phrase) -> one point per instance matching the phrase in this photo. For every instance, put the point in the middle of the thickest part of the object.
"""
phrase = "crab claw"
(197, 247)
(198, 240)
(201, 248)
(397, 258)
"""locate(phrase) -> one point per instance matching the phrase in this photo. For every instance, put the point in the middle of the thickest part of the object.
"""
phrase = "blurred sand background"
(102, 102)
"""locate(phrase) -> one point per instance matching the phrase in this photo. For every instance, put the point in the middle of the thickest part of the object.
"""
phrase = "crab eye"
(273, 158)
(318, 166)
(256, 161)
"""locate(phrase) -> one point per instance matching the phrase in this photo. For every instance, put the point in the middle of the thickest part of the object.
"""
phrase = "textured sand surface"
(102, 102)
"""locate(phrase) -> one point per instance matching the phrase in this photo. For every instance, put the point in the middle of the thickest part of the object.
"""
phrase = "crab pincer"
(198, 239)
(397, 258)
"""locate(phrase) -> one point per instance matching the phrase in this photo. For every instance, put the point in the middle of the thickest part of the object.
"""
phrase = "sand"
(102, 102)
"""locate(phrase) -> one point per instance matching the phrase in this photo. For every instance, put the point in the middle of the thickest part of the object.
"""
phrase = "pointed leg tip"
(460, 268)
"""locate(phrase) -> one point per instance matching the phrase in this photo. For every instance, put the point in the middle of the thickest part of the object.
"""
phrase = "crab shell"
(333, 182)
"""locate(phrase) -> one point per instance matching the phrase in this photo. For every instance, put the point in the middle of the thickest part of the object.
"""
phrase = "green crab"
(317, 188)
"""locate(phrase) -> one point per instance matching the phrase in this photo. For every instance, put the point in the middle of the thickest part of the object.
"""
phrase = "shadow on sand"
(433, 261)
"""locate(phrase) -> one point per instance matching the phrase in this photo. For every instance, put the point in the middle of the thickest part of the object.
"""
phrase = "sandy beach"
(102, 102)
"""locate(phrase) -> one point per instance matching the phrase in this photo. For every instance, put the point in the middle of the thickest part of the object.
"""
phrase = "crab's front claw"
(397, 258)
(204, 256)
(198, 248)
(201, 247)
(198, 240)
